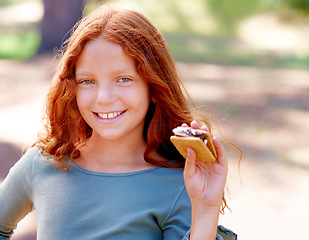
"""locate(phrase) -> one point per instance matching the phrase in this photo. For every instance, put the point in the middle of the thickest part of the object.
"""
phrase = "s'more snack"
(199, 140)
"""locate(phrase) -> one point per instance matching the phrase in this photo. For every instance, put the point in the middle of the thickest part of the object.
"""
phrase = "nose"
(105, 94)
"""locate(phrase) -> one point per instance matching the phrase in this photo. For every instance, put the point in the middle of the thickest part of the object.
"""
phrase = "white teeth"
(109, 115)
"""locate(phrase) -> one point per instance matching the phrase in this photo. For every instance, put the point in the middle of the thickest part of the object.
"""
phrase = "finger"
(220, 151)
(184, 125)
(195, 125)
(204, 128)
(190, 166)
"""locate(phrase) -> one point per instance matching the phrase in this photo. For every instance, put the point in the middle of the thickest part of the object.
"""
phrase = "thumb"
(190, 166)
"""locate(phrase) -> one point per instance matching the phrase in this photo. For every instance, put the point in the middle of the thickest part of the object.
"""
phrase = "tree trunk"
(59, 18)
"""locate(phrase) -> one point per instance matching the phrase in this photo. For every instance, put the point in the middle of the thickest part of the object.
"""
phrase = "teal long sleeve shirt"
(80, 204)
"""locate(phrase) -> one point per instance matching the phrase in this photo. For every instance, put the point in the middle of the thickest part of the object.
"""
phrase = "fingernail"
(188, 152)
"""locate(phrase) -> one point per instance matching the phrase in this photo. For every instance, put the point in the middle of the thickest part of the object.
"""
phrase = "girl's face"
(111, 96)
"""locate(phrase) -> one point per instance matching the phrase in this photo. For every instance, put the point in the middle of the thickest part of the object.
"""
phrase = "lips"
(109, 115)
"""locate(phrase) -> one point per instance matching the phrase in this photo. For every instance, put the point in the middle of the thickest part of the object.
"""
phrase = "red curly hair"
(65, 127)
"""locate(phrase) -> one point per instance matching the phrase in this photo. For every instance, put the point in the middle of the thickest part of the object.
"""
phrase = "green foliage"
(218, 50)
(11, 2)
(229, 12)
(196, 30)
(174, 16)
(19, 46)
(299, 5)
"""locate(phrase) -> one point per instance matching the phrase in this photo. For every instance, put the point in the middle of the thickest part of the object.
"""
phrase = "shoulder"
(168, 175)
(169, 182)
(21, 175)
(32, 156)
(35, 160)
(32, 153)
(26, 162)
(159, 179)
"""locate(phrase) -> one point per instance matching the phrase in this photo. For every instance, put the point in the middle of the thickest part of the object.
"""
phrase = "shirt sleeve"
(225, 234)
(16, 194)
(222, 234)
(178, 222)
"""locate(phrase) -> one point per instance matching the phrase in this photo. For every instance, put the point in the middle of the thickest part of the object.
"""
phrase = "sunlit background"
(244, 61)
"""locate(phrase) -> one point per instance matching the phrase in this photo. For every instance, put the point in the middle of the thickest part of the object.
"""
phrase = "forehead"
(100, 54)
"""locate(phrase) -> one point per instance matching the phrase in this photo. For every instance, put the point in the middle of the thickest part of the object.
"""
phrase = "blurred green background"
(228, 32)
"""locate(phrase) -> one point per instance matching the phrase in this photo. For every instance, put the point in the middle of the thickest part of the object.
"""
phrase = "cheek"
(139, 97)
(78, 99)
(82, 100)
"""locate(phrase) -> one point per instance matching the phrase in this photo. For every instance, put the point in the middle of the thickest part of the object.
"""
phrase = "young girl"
(106, 169)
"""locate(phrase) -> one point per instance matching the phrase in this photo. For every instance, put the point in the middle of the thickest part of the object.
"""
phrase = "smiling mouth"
(110, 115)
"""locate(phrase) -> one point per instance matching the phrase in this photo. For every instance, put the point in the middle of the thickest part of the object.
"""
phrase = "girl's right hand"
(205, 183)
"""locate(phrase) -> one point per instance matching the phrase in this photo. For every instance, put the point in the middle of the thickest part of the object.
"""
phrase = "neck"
(121, 155)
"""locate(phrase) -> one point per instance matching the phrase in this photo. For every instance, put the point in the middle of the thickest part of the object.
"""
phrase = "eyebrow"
(121, 70)
(82, 73)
